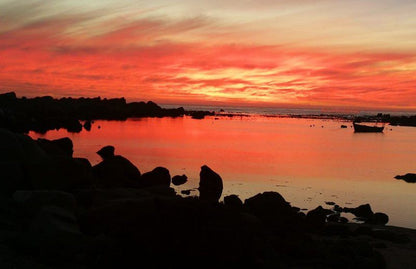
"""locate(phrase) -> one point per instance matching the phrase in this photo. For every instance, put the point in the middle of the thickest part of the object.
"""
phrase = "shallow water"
(309, 161)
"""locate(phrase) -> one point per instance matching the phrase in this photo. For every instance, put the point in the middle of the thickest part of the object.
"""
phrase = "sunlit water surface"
(308, 161)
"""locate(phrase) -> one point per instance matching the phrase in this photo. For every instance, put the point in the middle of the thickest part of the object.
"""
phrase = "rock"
(53, 234)
(316, 218)
(344, 126)
(60, 173)
(337, 208)
(87, 125)
(33, 201)
(391, 236)
(62, 146)
(333, 218)
(329, 203)
(343, 220)
(186, 192)
(179, 180)
(233, 201)
(378, 219)
(115, 171)
(106, 152)
(362, 211)
(210, 184)
(409, 177)
(158, 176)
(268, 204)
(72, 125)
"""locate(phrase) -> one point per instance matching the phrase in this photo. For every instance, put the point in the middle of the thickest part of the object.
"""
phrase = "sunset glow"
(319, 53)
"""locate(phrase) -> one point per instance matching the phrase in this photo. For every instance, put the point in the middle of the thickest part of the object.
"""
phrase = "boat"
(361, 128)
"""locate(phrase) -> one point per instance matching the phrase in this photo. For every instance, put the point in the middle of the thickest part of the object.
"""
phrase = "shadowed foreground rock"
(210, 184)
(158, 176)
(115, 171)
(99, 226)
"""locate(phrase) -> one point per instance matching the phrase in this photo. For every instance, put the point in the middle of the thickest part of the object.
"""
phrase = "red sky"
(320, 53)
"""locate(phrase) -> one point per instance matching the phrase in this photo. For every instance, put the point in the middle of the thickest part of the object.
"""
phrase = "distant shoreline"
(41, 114)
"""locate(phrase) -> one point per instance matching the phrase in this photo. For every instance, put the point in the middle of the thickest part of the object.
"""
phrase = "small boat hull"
(360, 128)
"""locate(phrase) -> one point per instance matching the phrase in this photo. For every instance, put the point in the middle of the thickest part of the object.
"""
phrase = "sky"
(326, 53)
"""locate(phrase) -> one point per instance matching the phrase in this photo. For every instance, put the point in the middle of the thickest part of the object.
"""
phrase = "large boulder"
(267, 203)
(158, 176)
(210, 184)
(115, 171)
(59, 173)
(33, 201)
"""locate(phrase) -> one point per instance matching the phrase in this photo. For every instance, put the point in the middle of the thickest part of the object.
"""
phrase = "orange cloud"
(154, 59)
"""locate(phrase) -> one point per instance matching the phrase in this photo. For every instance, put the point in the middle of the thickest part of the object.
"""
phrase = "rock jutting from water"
(59, 212)
(409, 177)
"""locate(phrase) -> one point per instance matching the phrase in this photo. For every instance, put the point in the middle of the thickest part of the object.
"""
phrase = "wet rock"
(62, 146)
(378, 219)
(233, 201)
(210, 184)
(179, 180)
(158, 176)
(409, 177)
(362, 211)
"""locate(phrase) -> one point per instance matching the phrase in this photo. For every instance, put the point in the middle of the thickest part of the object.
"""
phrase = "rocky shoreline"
(41, 114)
(58, 211)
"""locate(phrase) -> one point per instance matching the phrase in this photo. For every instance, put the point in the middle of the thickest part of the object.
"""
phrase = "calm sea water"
(308, 161)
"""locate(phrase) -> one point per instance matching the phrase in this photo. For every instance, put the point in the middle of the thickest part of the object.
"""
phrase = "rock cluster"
(57, 211)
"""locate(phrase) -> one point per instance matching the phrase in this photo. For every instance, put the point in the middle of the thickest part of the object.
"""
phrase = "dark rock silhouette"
(316, 218)
(106, 152)
(115, 171)
(186, 192)
(87, 125)
(158, 176)
(210, 184)
(52, 216)
(45, 113)
(362, 211)
(268, 203)
(409, 177)
(179, 180)
(62, 146)
(233, 201)
(378, 219)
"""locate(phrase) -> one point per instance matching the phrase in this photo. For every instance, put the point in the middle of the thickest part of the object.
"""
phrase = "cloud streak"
(181, 60)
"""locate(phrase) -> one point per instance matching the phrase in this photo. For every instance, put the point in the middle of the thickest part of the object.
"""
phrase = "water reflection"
(309, 161)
